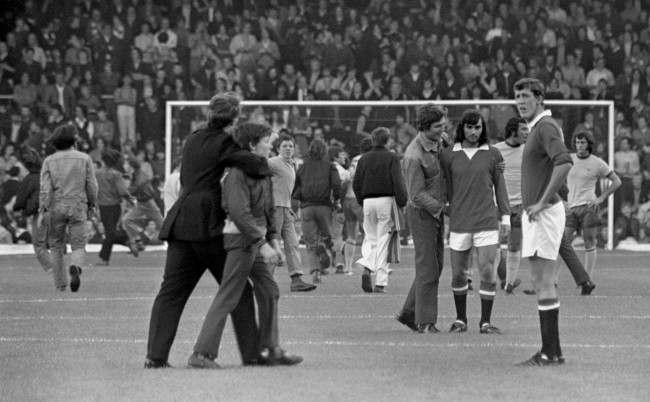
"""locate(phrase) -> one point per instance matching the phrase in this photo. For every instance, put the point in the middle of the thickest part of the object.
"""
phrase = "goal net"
(346, 122)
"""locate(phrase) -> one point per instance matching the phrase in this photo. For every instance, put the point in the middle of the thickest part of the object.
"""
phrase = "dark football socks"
(486, 309)
(548, 320)
(461, 306)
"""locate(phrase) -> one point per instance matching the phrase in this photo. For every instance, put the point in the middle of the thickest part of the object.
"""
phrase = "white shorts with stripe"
(542, 237)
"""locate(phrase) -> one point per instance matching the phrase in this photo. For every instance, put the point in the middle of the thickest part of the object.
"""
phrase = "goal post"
(384, 112)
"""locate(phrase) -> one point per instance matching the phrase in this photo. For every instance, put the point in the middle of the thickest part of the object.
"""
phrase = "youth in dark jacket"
(251, 241)
(378, 185)
(318, 187)
(27, 203)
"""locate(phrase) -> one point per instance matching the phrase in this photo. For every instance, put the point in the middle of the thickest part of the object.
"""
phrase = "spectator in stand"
(61, 94)
(627, 167)
(29, 66)
(87, 99)
(25, 91)
(85, 127)
(125, 97)
(151, 122)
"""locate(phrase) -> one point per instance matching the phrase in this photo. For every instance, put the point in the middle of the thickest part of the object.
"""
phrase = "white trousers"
(377, 225)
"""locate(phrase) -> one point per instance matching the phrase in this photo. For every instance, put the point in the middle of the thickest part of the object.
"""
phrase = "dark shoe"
(511, 286)
(340, 269)
(430, 328)
(366, 281)
(156, 364)
(487, 328)
(298, 285)
(404, 320)
(104, 263)
(529, 292)
(140, 245)
(324, 271)
(324, 259)
(469, 285)
(503, 285)
(379, 289)
(75, 281)
(201, 361)
(587, 288)
(316, 277)
(404, 241)
(278, 357)
(133, 247)
(458, 326)
(540, 359)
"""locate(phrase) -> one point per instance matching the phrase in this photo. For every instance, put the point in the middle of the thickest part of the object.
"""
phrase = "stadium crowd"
(108, 67)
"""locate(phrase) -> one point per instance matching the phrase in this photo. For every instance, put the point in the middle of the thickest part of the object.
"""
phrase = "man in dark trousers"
(193, 228)
(426, 199)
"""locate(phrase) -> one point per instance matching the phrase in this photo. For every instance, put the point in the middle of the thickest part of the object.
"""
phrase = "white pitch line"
(289, 296)
(330, 343)
(310, 317)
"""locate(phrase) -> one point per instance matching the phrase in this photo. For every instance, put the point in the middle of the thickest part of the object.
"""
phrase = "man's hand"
(278, 250)
(269, 254)
(534, 210)
(595, 203)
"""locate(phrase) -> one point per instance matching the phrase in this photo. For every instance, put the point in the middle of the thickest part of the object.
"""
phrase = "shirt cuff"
(505, 220)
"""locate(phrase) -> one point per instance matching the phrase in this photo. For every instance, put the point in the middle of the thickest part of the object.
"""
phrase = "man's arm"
(615, 183)
(357, 180)
(45, 195)
(500, 187)
(398, 181)
(416, 188)
(236, 199)
(91, 183)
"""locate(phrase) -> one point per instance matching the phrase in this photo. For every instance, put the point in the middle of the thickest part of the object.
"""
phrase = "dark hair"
(471, 116)
(317, 150)
(64, 137)
(251, 133)
(429, 114)
(13, 171)
(584, 135)
(282, 138)
(334, 151)
(112, 158)
(380, 136)
(512, 126)
(223, 110)
(32, 160)
(533, 84)
(366, 144)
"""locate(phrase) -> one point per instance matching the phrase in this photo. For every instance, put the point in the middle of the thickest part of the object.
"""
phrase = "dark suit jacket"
(70, 100)
(197, 215)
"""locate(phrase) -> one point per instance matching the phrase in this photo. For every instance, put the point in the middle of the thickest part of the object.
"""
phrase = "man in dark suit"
(193, 228)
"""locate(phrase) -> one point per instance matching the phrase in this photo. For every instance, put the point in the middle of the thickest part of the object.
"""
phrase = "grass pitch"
(90, 346)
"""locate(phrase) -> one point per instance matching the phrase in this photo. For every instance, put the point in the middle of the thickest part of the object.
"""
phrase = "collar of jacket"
(427, 144)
